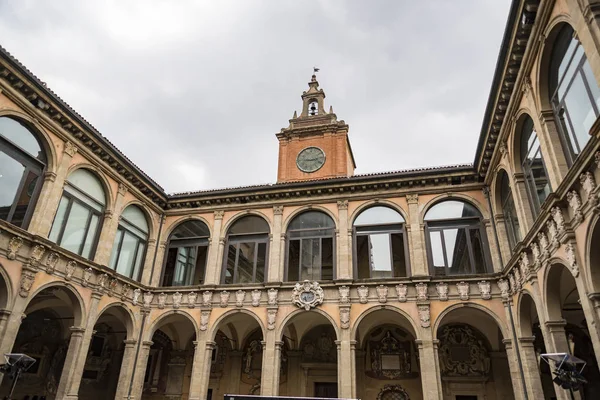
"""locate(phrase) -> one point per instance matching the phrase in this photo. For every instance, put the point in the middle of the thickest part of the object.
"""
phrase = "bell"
(313, 109)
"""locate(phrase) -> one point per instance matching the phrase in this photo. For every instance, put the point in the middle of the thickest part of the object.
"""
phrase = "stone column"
(533, 381)
(344, 249)
(109, 228)
(11, 328)
(140, 370)
(513, 365)
(274, 263)
(78, 364)
(271, 365)
(215, 252)
(126, 371)
(346, 365)
(41, 221)
(416, 234)
(235, 372)
(77, 336)
(201, 369)
(429, 366)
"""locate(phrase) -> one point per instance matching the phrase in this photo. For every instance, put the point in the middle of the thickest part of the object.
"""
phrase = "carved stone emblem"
(463, 290)
(345, 316)
(537, 256)
(102, 281)
(272, 297)
(518, 279)
(557, 215)
(162, 299)
(207, 299)
(462, 352)
(424, 316)
(204, 315)
(512, 282)
(70, 270)
(572, 259)
(271, 317)
(307, 295)
(588, 184)
(543, 240)
(191, 299)
(401, 291)
(504, 288)
(36, 254)
(125, 290)
(442, 290)
(363, 294)
(27, 278)
(70, 148)
(136, 296)
(224, 298)
(51, 262)
(575, 204)
(525, 266)
(87, 275)
(395, 392)
(485, 289)
(177, 300)
(13, 247)
(552, 232)
(255, 298)
(344, 294)
(422, 294)
(382, 293)
(148, 296)
(240, 296)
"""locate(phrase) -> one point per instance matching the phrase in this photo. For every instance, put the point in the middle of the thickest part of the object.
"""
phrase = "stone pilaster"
(346, 365)
(140, 370)
(429, 367)
(275, 264)
(41, 221)
(77, 337)
(533, 381)
(550, 143)
(513, 366)
(344, 248)
(271, 365)
(215, 252)
(108, 232)
(522, 204)
(201, 369)
(416, 235)
(235, 372)
(494, 251)
(505, 248)
(126, 371)
(147, 265)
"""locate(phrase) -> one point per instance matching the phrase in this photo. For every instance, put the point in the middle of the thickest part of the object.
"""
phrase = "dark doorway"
(327, 390)
(464, 397)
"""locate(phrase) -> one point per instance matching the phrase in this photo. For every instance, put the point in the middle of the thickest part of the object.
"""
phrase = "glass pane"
(115, 249)
(181, 272)
(311, 233)
(230, 267)
(437, 251)
(11, 173)
(311, 220)
(245, 267)
(512, 223)
(362, 257)
(457, 251)
(592, 83)
(190, 229)
(310, 258)
(399, 256)
(477, 247)
(381, 257)
(87, 182)
(139, 261)
(75, 232)
(378, 216)
(136, 217)
(198, 276)
(58, 219)
(127, 256)
(571, 71)
(90, 237)
(170, 267)
(19, 135)
(248, 225)
(451, 209)
(580, 112)
(293, 260)
(326, 259)
(261, 259)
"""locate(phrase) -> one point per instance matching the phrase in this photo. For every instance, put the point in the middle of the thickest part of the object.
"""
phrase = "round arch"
(552, 281)
(236, 217)
(525, 302)
(416, 330)
(290, 317)
(145, 210)
(6, 290)
(514, 146)
(376, 203)
(496, 195)
(176, 223)
(101, 177)
(167, 317)
(41, 134)
(440, 319)
(453, 196)
(79, 309)
(591, 274)
(222, 319)
(304, 209)
(128, 318)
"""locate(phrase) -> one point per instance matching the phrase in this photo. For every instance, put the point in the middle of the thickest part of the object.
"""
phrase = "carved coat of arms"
(307, 295)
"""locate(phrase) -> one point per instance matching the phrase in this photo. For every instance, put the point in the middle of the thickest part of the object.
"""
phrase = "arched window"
(534, 169)
(247, 242)
(186, 255)
(509, 211)
(77, 221)
(574, 91)
(456, 239)
(380, 244)
(129, 248)
(310, 247)
(22, 163)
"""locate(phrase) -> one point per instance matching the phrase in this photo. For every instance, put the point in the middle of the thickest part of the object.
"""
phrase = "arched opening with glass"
(509, 211)
(187, 252)
(534, 168)
(129, 248)
(247, 249)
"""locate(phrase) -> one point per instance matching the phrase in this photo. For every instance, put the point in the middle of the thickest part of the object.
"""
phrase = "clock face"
(310, 159)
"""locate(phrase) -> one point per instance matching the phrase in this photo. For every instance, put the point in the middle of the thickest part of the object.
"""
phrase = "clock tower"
(315, 145)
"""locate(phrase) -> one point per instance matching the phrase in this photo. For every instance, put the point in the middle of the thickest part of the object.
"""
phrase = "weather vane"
(315, 69)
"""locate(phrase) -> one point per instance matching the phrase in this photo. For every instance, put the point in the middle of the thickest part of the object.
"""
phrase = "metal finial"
(315, 69)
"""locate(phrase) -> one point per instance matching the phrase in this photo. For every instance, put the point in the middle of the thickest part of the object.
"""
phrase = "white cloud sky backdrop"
(194, 91)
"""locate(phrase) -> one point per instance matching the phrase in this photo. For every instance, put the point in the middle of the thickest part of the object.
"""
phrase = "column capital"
(77, 330)
(130, 342)
(527, 340)
(147, 343)
(556, 326)
(507, 343)
(211, 345)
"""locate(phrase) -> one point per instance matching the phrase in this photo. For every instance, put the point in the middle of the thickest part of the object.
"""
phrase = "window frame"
(237, 238)
(530, 181)
(507, 203)
(124, 229)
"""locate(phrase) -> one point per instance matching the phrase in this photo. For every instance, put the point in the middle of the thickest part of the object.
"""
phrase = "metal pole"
(14, 383)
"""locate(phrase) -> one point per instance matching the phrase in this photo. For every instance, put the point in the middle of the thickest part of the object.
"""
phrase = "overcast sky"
(194, 91)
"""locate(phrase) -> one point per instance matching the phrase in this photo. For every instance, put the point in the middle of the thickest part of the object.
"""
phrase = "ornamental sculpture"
(125, 291)
(344, 292)
(363, 294)
(395, 392)
(401, 291)
(463, 290)
(191, 299)
(102, 281)
(572, 259)
(240, 296)
(559, 218)
(70, 270)
(112, 285)
(345, 317)
(552, 232)
(271, 317)
(27, 278)
(421, 291)
(13, 247)
(255, 298)
(136, 296)
(224, 298)
(462, 353)
(543, 240)
(87, 275)
(148, 296)
(162, 299)
(518, 278)
(575, 203)
(51, 262)
(512, 282)
(442, 291)
(272, 297)
(535, 251)
(504, 288)
(485, 289)
(204, 315)
(177, 300)
(307, 295)
(207, 299)
(390, 355)
(382, 293)
(424, 316)
(36, 254)
(525, 266)
(588, 184)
